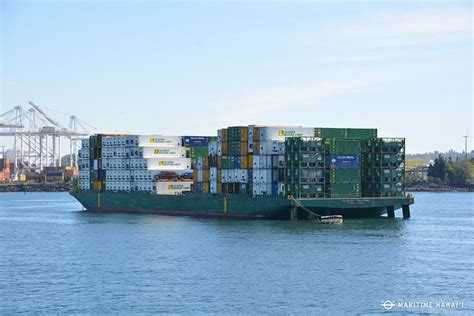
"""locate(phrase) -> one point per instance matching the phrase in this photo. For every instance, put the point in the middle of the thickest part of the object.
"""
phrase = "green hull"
(233, 206)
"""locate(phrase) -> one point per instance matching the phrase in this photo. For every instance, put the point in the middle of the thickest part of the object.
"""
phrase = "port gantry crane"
(39, 144)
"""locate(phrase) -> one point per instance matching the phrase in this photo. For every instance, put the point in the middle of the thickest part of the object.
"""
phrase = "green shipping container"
(343, 146)
(330, 132)
(199, 152)
(345, 176)
(356, 133)
(292, 189)
(311, 175)
(311, 190)
(341, 190)
(362, 133)
(385, 189)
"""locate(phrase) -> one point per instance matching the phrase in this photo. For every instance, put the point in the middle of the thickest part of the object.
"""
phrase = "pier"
(356, 207)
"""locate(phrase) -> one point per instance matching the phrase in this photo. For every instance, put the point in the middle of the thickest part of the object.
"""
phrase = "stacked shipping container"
(254, 160)
(384, 174)
(233, 160)
(197, 149)
(305, 167)
(269, 156)
(344, 167)
(83, 162)
(134, 163)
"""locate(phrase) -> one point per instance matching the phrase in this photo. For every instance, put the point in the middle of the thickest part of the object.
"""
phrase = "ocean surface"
(56, 259)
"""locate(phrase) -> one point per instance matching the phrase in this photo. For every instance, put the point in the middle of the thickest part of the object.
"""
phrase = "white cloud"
(255, 105)
(383, 37)
(413, 28)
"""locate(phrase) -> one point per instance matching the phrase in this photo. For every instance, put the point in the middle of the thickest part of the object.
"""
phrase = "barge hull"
(233, 206)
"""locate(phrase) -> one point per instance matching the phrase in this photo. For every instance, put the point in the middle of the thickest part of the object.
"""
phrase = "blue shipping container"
(274, 188)
(195, 141)
(237, 162)
(275, 175)
(344, 161)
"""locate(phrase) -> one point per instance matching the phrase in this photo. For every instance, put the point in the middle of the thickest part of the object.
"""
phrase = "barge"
(240, 205)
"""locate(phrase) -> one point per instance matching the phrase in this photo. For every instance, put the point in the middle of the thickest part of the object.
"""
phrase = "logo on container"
(286, 133)
(165, 163)
(159, 140)
(289, 133)
(162, 151)
(175, 187)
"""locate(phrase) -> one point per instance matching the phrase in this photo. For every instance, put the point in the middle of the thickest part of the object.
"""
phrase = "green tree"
(439, 168)
(459, 173)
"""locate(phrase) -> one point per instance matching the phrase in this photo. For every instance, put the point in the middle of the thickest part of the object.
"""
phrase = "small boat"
(331, 219)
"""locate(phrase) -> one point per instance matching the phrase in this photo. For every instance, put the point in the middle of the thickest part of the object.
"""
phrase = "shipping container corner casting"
(268, 172)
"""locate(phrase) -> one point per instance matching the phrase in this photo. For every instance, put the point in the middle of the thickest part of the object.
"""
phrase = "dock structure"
(36, 137)
(357, 207)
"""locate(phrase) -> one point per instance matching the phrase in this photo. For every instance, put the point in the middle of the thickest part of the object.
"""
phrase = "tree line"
(453, 172)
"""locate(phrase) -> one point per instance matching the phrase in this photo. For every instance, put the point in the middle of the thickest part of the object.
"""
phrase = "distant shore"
(431, 187)
(36, 187)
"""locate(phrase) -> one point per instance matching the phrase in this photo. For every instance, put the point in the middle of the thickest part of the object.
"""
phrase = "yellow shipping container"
(195, 174)
(205, 163)
(244, 133)
(224, 148)
(205, 187)
(244, 149)
(256, 134)
(243, 162)
(205, 175)
(219, 162)
(250, 161)
(219, 175)
(219, 187)
(256, 148)
(224, 134)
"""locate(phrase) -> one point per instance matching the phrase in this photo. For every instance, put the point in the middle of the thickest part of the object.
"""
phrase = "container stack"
(343, 173)
(197, 150)
(385, 167)
(136, 163)
(266, 176)
(305, 167)
(117, 160)
(161, 165)
(215, 181)
(253, 160)
(233, 160)
(96, 174)
(268, 161)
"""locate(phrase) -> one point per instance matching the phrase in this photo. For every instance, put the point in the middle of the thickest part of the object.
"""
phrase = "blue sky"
(192, 67)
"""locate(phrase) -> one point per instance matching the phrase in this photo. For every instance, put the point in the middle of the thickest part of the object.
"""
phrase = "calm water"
(55, 258)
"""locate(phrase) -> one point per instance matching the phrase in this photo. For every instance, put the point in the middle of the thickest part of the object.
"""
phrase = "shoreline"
(436, 188)
(36, 187)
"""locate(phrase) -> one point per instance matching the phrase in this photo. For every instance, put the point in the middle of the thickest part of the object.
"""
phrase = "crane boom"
(46, 116)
